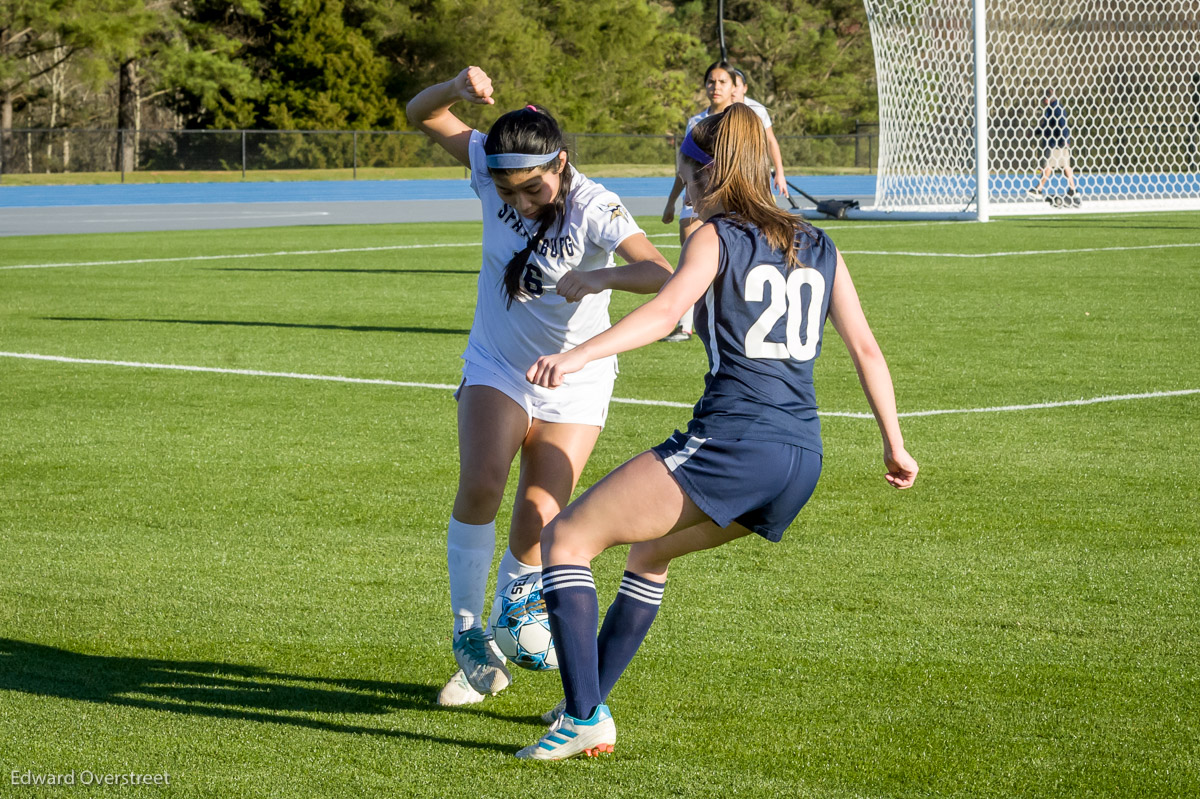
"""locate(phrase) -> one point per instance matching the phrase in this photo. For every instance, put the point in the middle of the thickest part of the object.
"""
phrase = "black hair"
(534, 131)
(725, 65)
(737, 73)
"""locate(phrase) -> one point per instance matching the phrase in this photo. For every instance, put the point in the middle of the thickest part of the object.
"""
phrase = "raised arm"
(430, 111)
(645, 272)
(646, 323)
(848, 319)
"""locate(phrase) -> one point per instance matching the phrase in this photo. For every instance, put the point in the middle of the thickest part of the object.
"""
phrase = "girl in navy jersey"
(549, 235)
(763, 283)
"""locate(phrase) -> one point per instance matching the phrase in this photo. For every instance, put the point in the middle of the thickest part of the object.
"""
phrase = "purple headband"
(693, 151)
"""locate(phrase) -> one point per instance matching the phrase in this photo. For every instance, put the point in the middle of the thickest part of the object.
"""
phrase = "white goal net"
(1106, 93)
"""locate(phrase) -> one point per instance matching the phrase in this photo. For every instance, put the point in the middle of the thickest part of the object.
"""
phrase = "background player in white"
(718, 85)
(544, 285)
(714, 86)
(739, 96)
(752, 453)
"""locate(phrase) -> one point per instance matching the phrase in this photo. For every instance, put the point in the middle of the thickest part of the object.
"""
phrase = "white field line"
(281, 253)
(658, 403)
(286, 253)
(1016, 252)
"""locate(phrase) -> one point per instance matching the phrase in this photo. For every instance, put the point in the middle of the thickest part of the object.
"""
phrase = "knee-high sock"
(570, 594)
(625, 627)
(469, 551)
(510, 569)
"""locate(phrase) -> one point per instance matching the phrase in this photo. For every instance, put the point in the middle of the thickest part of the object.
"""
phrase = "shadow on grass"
(223, 691)
(352, 328)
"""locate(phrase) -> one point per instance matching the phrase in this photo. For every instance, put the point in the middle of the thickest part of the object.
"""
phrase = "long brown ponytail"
(739, 177)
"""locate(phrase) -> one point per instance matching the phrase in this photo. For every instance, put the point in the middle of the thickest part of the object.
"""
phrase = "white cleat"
(555, 713)
(482, 664)
(570, 736)
(458, 692)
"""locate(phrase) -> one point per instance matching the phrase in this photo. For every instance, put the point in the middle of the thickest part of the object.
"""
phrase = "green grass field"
(238, 579)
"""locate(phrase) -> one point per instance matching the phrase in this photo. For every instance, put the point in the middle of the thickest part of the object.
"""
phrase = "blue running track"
(341, 191)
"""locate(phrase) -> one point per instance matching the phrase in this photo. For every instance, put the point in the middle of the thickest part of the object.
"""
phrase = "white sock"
(510, 569)
(686, 321)
(469, 552)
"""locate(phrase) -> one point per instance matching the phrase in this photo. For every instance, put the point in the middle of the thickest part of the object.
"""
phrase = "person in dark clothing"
(1056, 145)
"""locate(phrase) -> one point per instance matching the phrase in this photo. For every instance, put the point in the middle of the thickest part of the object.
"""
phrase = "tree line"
(628, 66)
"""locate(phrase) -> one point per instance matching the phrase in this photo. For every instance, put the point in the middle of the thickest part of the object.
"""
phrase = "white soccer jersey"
(691, 123)
(687, 212)
(542, 322)
(760, 109)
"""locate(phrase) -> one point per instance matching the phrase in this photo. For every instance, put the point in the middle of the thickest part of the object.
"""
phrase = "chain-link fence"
(63, 151)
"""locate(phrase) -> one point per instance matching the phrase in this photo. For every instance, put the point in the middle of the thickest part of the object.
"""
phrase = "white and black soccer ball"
(521, 625)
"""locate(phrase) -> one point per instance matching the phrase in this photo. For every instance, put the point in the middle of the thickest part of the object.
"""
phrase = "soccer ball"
(521, 625)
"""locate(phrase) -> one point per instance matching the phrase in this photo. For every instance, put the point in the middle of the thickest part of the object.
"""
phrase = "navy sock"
(625, 627)
(570, 594)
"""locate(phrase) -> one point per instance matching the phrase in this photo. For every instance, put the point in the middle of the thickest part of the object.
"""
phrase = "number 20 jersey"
(761, 324)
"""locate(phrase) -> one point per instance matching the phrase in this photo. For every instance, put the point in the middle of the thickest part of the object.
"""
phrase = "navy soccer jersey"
(761, 324)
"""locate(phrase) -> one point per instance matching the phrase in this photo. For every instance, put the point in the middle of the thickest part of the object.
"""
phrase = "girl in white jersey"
(739, 96)
(548, 238)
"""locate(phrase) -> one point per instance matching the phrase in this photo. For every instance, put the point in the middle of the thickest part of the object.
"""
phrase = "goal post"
(978, 97)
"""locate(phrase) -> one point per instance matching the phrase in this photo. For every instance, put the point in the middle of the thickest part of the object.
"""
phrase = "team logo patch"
(615, 211)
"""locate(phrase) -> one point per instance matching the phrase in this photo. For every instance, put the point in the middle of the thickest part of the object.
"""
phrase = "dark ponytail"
(529, 130)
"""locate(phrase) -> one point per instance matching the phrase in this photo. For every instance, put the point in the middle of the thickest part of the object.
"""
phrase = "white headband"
(520, 160)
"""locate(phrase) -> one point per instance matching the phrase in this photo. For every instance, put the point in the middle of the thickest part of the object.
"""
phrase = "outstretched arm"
(848, 319)
(648, 322)
(430, 111)
(645, 272)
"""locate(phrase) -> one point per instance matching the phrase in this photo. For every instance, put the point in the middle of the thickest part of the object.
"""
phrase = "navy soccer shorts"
(761, 485)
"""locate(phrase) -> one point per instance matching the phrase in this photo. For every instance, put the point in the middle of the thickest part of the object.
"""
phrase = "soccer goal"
(978, 97)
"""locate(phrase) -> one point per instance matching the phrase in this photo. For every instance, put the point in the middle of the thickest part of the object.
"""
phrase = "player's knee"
(536, 511)
(480, 493)
(565, 542)
(645, 560)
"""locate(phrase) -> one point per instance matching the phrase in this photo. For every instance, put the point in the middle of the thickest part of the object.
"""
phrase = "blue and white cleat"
(570, 736)
(481, 664)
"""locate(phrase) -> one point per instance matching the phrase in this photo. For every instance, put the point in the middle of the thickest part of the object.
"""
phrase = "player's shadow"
(449, 331)
(221, 690)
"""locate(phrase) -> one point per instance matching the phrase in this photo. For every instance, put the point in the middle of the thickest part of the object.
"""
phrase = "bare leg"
(552, 459)
(686, 228)
(641, 504)
(639, 501)
(491, 427)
